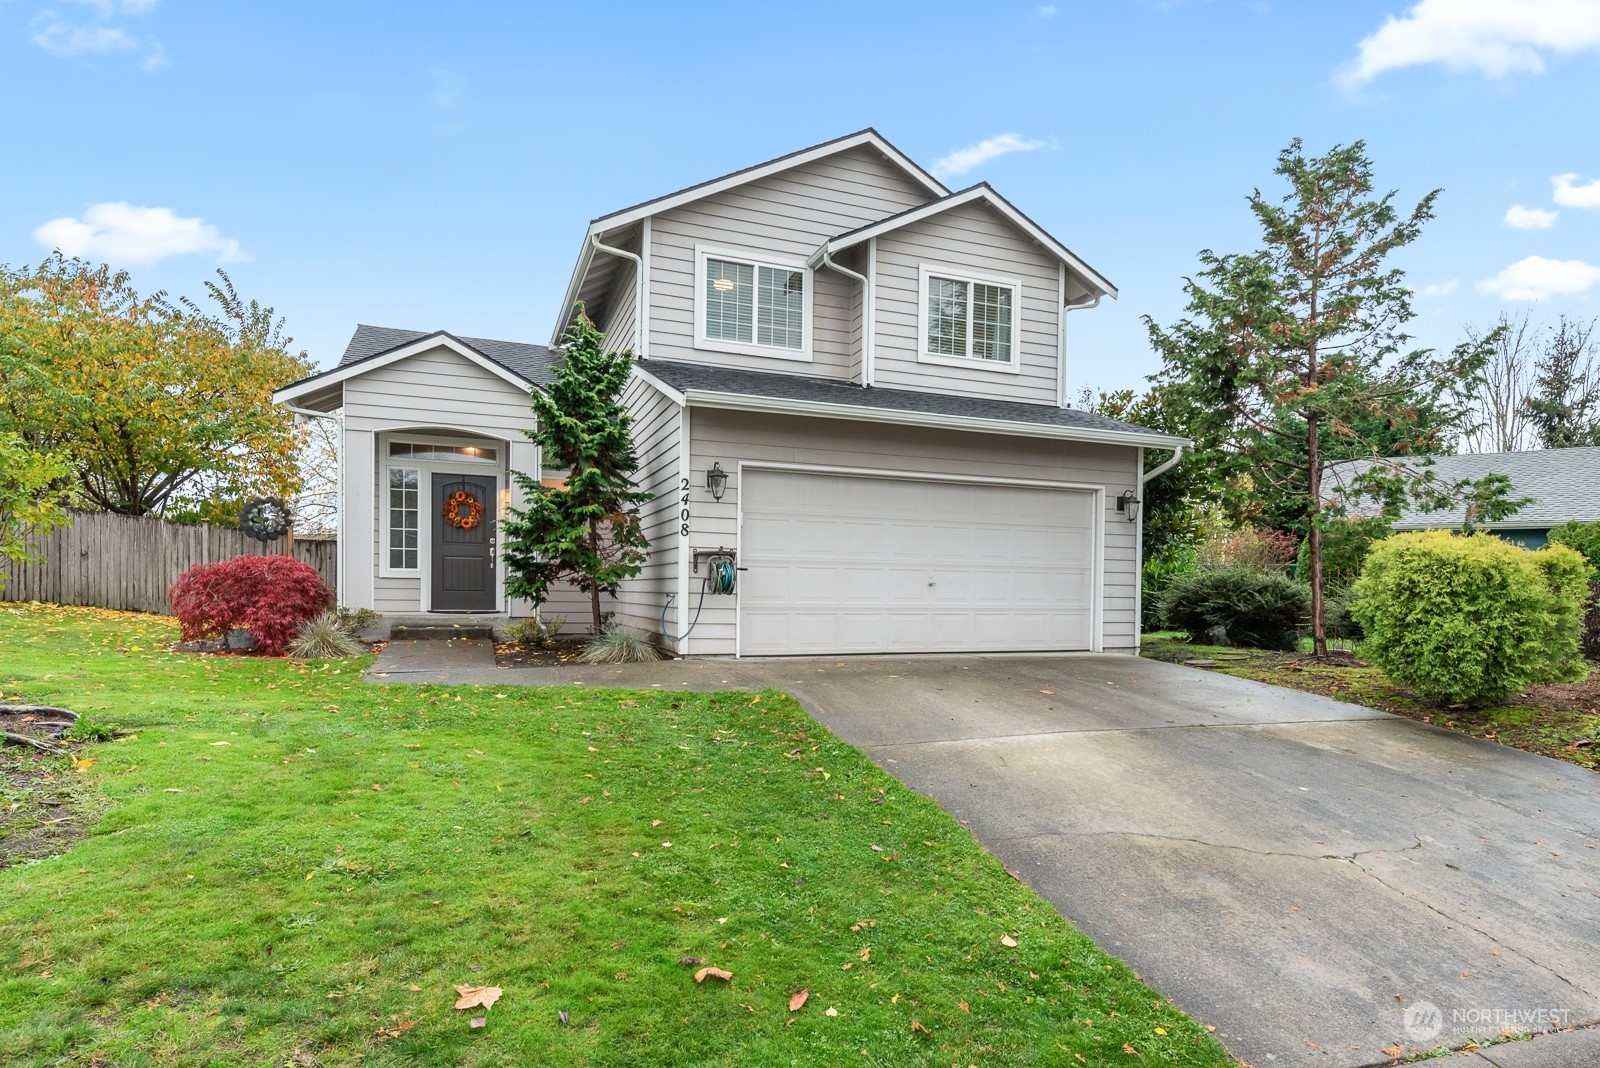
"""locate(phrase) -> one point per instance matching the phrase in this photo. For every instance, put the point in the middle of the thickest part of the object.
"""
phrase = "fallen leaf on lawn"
(866, 951)
(310, 873)
(1161, 1030)
(831, 1011)
(877, 849)
(1008, 941)
(479, 1021)
(964, 1007)
(412, 986)
(798, 1001)
(562, 1015)
(335, 994)
(477, 995)
(916, 1025)
(81, 764)
(221, 743)
(709, 972)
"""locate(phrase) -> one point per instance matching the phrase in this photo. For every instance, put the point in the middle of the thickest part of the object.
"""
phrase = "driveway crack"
(1416, 844)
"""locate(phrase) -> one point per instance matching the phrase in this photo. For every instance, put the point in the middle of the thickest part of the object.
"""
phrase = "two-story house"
(851, 385)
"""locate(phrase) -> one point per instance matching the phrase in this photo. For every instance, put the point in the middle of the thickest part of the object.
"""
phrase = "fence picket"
(126, 562)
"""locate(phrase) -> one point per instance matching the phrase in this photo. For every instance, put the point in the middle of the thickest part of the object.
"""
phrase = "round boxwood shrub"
(1470, 619)
(1252, 607)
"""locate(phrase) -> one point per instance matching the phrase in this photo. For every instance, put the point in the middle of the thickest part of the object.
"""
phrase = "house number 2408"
(683, 516)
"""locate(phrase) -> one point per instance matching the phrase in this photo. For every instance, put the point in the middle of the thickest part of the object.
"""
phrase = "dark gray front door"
(464, 543)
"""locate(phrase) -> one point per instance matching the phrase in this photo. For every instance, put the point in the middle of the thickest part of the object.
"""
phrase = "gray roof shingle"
(1565, 484)
(531, 363)
(699, 376)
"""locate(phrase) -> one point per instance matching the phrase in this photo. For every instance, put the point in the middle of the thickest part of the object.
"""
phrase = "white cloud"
(1495, 37)
(1520, 218)
(1047, 11)
(448, 87)
(1440, 289)
(963, 160)
(120, 233)
(67, 38)
(1569, 194)
(1538, 278)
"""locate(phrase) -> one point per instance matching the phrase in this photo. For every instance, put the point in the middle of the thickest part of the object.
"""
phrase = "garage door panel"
(843, 563)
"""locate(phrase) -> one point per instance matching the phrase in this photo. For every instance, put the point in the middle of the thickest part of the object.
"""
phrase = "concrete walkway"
(1294, 871)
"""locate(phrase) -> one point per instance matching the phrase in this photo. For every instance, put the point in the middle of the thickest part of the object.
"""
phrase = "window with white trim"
(969, 318)
(747, 304)
(405, 515)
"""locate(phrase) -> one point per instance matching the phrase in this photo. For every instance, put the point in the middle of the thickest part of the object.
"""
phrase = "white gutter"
(1061, 364)
(825, 410)
(1177, 455)
(642, 309)
(822, 257)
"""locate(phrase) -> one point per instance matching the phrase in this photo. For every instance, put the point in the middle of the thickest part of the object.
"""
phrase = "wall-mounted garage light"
(1128, 504)
(716, 481)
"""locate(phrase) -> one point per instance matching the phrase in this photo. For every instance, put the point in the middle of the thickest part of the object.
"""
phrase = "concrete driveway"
(1296, 872)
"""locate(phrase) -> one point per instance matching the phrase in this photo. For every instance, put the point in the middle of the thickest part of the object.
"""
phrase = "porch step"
(437, 632)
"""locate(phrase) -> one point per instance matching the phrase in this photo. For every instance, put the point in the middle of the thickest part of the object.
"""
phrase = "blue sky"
(432, 165)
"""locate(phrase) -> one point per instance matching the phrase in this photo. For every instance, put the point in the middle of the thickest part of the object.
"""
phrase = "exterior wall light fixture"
(716, 481)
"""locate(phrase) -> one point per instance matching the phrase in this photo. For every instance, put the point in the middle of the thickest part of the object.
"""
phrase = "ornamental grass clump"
(1471, 619)
(324, 638)
(618, 644)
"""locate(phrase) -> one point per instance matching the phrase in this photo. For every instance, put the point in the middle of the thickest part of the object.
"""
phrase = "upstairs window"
(968, 319)
(750, 306)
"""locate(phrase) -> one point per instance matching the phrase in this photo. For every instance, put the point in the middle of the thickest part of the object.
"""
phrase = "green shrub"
(1584, 537)
(88, 729)
(1337, 618)
(355, 620)
(1470, 619)
(619, 644)
(324, 638)
(1251, 607)
(1158, 572)
(1345, 544)
(535, 632)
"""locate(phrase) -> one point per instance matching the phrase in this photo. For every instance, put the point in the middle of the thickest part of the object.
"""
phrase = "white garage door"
(858, 564)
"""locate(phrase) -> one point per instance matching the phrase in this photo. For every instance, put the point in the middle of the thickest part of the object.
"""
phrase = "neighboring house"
(874, 363)
(1564, 485)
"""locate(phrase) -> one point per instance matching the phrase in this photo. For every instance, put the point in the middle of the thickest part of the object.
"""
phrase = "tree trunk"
(1319, 625)
(594, 587)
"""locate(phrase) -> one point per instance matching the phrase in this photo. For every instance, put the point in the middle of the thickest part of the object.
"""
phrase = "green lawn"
(294, 867)
(1560, 721)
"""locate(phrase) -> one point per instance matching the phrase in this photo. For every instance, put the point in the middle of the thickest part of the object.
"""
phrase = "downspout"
(641, 309)
(1177, 454)
(338, 558)
(1061, 399)
(822, 258)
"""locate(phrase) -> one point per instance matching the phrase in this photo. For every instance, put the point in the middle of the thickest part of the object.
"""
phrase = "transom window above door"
(745, 305)
(968, 319)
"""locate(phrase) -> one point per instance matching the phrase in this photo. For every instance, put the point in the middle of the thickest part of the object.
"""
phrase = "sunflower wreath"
(462, 510)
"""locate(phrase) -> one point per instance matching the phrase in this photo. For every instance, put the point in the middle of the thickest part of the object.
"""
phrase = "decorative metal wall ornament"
(462, 510)
(265, 518)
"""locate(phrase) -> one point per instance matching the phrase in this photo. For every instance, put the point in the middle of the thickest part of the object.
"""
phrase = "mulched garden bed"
(517, 655)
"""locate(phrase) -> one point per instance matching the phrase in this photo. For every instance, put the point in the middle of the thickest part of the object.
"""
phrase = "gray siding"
(730, 437)
(437, 393)
(974, 237)
(657, 430)
(787, 216)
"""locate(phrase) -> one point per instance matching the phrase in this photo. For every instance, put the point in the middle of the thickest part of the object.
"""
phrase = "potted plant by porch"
(587, 530)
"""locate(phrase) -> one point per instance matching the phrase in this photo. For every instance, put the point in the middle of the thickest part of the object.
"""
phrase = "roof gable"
(519, 363)
(985, 194)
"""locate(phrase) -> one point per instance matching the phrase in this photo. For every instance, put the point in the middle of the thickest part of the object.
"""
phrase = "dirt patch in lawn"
(1560, 721)
(45, 805)
(517, 655)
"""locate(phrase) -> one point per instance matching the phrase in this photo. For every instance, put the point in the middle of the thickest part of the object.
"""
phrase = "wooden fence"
(129, 563)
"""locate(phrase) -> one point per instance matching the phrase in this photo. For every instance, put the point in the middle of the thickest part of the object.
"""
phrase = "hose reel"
(721, 578)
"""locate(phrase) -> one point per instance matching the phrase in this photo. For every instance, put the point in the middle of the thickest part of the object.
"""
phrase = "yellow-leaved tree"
(159, 407)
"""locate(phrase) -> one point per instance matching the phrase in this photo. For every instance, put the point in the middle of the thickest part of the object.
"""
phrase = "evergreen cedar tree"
(158, 407)
(587, 530)
(1294, 356)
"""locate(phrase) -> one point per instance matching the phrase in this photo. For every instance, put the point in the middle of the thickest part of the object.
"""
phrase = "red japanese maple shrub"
(272, 597)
